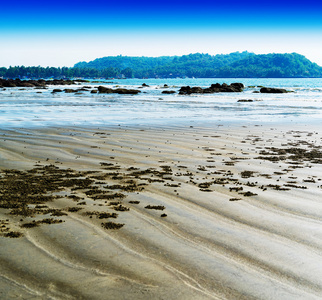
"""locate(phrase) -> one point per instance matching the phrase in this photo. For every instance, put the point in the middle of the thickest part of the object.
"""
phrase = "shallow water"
(29, 107)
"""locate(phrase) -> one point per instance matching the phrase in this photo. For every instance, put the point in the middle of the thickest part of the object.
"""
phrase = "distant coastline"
(233, 65)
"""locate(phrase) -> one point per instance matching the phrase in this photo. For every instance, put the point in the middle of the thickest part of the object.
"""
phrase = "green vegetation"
(41, 72)
(192, 65)
(244, 65)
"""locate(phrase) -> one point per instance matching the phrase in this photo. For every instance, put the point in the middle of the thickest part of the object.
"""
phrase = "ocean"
(30, 107)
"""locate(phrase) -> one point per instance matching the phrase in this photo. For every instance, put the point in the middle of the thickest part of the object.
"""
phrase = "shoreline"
(236, 225)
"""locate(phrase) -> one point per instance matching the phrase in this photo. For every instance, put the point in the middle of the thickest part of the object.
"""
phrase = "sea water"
(31, 107)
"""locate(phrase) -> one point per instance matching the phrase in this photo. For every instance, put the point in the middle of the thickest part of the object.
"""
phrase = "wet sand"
(223, 212)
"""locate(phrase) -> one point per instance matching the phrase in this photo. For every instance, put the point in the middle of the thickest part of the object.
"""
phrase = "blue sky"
(61, 33)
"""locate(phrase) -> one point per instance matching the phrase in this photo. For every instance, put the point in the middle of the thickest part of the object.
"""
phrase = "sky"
(61, 33)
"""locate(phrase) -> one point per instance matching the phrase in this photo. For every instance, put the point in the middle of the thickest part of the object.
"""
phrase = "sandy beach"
(187, 212)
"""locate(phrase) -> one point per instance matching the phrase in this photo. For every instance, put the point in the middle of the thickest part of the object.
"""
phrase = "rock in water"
(272, 90)
(105, 90)
(168, 92)
(214, 88)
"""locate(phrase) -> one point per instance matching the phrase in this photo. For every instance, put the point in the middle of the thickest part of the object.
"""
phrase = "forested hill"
(192, 65)
(233, 65)
(244, 64)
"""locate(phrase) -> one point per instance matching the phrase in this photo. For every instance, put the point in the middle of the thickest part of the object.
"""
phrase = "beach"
(223, 211)
(161, 150)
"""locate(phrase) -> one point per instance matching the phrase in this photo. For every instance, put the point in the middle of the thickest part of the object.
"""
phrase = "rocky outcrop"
(214, 88)
(33, 83)
(266, 90)
(7, 83)
(126, 91)
(245, 100)
(60, 82)
(25, 84)
(168, 92)
(187, 90)
(68, 91)
(237, 85)
(105, 90)
(81, 80)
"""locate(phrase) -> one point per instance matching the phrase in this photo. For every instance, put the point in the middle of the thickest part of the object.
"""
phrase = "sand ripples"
(266, 244)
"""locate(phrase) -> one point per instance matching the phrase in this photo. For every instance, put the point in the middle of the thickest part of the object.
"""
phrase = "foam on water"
(33, 108)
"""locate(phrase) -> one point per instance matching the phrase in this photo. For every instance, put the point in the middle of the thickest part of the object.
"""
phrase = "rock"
(145, 85)
(57, 91)
(81, 80)
(60, 82)
(237, 85)
(68, 91)
(7, 83)
(93, 91)
(126, 91)
(185, 90)
(245, 100)
(272, 90)
(214, 88)
(105, 90)
(168, 92)
(224, 89)
(196, 89)
(33, 83)
(25, 84)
